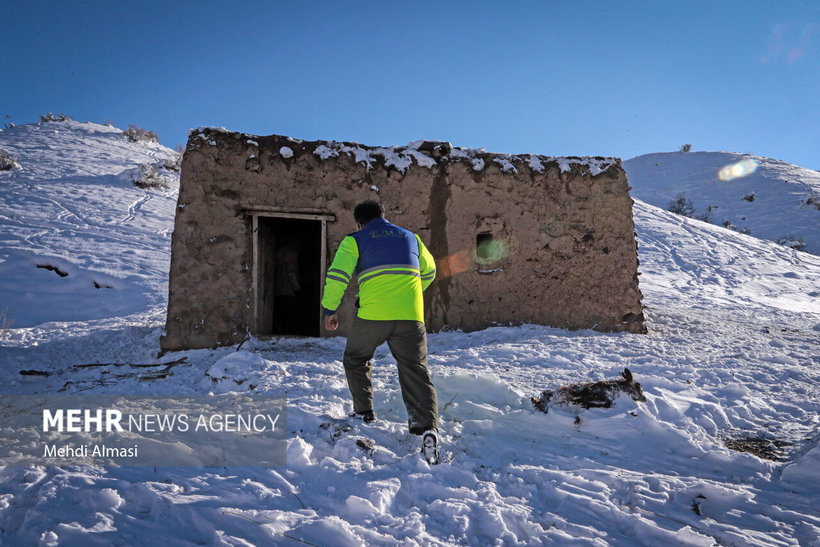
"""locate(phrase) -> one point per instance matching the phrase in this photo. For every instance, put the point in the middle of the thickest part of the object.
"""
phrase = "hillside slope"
(72, 208)
(732, 356)
(766, 198)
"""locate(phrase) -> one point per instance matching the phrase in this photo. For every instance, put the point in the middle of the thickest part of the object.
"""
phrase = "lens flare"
(452, 265)
(743, 168)
(490, 250)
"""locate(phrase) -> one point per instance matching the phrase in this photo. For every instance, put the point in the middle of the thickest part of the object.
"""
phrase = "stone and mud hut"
(517, 238)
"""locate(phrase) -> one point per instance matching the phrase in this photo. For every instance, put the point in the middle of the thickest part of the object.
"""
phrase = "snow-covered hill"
(766, 198)
(733, 353)
(72, 208)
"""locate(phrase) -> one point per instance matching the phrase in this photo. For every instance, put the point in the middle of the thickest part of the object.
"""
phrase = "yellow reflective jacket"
(392, 266)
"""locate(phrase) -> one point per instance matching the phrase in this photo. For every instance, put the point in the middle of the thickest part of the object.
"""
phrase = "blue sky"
(554, 78)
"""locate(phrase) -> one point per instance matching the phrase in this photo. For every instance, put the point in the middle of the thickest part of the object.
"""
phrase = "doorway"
(289, 270)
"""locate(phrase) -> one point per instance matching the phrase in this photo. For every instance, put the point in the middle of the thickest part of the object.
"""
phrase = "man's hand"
(331, 322)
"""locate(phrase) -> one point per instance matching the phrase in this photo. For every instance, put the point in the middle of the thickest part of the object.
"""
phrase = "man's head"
(367, 211)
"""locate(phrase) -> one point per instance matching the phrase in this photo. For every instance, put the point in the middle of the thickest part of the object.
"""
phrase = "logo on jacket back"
(385, 233)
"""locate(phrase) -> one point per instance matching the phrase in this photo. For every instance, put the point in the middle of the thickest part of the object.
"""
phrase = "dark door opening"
(289, 276)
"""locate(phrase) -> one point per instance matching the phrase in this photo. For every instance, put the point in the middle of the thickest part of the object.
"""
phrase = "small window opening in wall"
(484, 246)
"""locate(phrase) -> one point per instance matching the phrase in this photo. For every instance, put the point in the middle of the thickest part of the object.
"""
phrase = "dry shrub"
(139, 134)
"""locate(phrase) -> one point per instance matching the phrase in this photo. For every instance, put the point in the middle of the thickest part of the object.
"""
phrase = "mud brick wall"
(563, 250)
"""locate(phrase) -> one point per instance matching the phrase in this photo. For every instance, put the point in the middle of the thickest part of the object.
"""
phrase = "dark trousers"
(407, 341)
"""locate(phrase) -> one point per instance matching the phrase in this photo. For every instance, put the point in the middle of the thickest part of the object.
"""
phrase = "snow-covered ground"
(766, 198)
(72, 206)
(733, 353)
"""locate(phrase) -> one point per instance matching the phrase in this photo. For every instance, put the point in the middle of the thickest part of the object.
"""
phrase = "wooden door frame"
(276, 212)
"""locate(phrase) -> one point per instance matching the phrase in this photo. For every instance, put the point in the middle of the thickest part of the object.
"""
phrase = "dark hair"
(367, 211)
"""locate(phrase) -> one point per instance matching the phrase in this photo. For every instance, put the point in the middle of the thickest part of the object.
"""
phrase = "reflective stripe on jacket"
(392, 267)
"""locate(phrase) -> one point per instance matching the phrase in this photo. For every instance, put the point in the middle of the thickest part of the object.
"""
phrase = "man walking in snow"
(393, 268)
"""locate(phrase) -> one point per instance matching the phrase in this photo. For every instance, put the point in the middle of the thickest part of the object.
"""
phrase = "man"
(286, 285)
(393, 268)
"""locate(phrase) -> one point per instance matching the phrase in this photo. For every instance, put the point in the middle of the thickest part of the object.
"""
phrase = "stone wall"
(563, 253)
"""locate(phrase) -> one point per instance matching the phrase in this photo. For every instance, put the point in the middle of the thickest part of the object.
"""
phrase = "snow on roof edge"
(401, 157)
